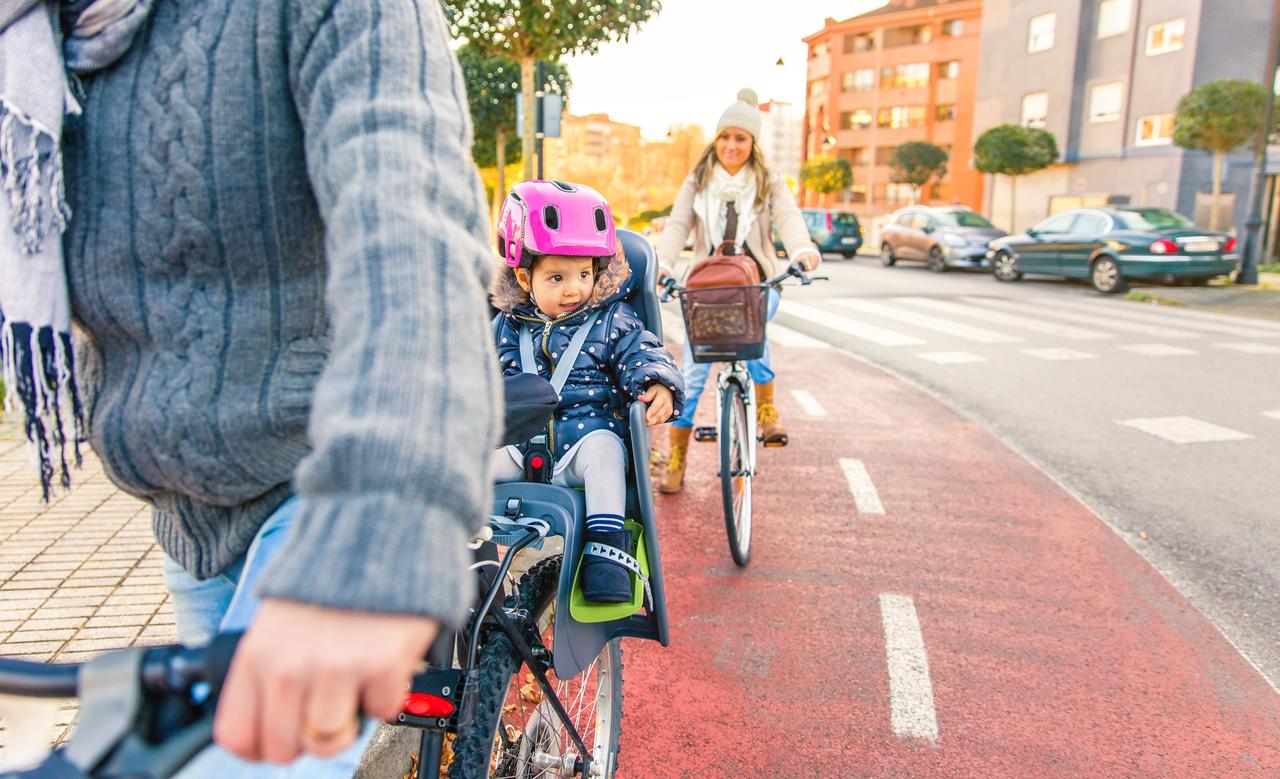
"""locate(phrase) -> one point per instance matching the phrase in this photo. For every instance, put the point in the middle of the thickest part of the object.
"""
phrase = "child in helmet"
(564, 270)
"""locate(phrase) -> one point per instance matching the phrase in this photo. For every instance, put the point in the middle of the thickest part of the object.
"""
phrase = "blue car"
(834, 232)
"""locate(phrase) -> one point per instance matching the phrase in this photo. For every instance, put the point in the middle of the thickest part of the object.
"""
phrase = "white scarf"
(711, 203)
(35, 307)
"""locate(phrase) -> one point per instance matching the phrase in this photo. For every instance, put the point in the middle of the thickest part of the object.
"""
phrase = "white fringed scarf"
(711, 203)
(35, 308)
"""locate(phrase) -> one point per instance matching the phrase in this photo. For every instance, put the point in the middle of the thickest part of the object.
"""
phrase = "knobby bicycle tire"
(735, 474)
(473, 750)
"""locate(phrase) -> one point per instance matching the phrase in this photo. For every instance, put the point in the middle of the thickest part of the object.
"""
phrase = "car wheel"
(1199, 281)
(937, 263)
(1005, 267)
(849, 255)
(886, 255)
(1105, 276)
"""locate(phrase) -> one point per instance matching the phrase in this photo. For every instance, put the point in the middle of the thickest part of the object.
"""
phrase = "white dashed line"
(1184, 430)
(847, 326)
(864, 492)
(951, 358)
(785, 336)
(810, 404)
(1058, 353)
(1157, 350)
(910, 686)
(926, 322)
(1251, 348)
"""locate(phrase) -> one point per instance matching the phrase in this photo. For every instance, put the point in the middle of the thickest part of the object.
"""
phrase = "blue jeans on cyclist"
(227, 602)
(695, 373)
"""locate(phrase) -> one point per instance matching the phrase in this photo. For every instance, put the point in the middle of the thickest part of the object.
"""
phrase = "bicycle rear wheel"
(735, 471)
(515, 734)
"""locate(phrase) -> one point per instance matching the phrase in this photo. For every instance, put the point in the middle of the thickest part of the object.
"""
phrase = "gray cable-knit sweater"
(278, 253)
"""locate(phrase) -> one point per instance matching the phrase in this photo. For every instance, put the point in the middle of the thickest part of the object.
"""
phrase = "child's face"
(558, 284)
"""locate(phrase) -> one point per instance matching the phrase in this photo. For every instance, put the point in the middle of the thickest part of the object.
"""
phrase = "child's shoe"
(605, 580)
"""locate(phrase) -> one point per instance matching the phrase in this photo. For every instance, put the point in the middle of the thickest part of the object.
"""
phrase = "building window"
(949, 69)
(907, 36)
(1035, 109)
(862, 80)
(946, 112)
(858, 42)
(856, 156)
(1105, 102)
(952, 28)
(1040, 32)
(1154, 130)
(819, 50)
(910, 76)
(858, 193)
(1165, 37)
(1113, 17)
(901, 116)
(894, 194)
(884, 154)
(856, 120)
(818, 87)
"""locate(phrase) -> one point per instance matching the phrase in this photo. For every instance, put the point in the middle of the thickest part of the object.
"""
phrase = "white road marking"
(1184, 430)
(1157, 315)
(864, 492)
(1251, 348)
(672, 327)
(1091, 319)
(785, 336)
(1157, 350)
(924, 321)
(809, 403)
(1058, 353)
(1002, 318)
(910, 686)
(951, 358)
(860, 330)
(1272, 414)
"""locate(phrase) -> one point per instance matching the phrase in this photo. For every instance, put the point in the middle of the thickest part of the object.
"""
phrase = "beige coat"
(779, 209)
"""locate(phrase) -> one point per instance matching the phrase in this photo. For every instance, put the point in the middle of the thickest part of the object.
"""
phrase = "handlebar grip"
(217, 658)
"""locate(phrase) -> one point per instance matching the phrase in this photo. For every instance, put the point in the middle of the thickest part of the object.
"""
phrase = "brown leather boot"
(771, 430)
(672, 480)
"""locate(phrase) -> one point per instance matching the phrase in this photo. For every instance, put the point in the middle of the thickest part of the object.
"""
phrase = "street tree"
(1013, 150)
(492, 84)
(919, 164)
(526, 32)
(826, 174)
(1219, 116)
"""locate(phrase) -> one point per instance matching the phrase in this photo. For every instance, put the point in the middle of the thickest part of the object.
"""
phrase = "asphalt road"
(1163, 421)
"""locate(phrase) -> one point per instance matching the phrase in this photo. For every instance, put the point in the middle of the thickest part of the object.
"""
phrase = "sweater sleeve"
(405, 413)
(679, 225)
(640, 360)
(788, 220)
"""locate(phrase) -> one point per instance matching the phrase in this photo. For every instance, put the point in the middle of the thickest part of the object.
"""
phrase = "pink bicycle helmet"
(554, 217)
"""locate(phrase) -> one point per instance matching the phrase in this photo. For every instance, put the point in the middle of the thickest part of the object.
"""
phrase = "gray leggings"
(598, 463)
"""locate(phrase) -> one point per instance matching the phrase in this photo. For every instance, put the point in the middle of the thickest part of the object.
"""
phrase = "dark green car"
(835, 232)
(1109, 246)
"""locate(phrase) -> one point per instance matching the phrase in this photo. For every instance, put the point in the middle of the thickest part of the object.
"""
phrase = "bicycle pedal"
(705, 434)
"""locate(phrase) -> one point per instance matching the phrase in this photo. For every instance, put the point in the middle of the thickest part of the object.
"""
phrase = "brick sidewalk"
(79, 575)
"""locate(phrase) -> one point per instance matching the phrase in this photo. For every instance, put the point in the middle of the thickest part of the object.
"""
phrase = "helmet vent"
(601, 222)
(551, 217)
(564, 186)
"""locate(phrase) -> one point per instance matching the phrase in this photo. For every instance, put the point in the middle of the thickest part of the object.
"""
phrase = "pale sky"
(686, 64)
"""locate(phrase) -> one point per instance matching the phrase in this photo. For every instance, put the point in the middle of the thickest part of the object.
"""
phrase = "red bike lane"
(1052, 648)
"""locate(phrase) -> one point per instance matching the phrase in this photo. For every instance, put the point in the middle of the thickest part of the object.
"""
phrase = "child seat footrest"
(620, 557)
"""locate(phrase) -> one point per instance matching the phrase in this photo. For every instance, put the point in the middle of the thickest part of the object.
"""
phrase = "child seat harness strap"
(565, 365)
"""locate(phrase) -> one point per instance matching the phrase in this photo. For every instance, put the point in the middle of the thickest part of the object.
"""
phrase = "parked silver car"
(944, 237)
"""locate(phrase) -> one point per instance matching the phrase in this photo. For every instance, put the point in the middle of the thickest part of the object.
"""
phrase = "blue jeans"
(227, 602)
(695, 373)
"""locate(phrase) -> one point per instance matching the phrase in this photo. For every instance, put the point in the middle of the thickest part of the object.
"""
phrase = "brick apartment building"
(904, 72)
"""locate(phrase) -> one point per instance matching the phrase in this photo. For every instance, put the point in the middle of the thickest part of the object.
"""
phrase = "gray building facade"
(1105, 77)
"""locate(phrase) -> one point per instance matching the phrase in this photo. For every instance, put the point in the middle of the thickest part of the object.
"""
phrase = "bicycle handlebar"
(670, 288)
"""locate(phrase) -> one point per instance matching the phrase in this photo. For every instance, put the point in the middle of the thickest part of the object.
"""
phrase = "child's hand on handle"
(661, 404)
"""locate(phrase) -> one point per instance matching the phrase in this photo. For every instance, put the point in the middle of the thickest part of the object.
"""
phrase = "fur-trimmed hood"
(613, 283)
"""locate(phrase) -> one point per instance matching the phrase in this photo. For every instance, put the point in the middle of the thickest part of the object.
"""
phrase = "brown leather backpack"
(724, 269)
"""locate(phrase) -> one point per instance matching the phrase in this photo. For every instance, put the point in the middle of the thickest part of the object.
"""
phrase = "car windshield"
(960, 219)
(1154, 219)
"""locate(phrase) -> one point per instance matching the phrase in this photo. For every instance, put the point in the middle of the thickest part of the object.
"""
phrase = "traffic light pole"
(1253, 248)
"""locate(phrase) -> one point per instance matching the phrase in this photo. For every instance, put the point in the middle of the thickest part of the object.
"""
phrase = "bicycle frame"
(736, 372)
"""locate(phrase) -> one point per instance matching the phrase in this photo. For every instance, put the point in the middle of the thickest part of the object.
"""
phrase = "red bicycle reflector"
(535, 461)
(421, 704)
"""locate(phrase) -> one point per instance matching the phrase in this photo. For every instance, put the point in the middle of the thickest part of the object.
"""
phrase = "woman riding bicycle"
(731, 195)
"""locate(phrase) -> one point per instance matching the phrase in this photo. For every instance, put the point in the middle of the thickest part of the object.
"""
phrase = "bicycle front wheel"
(515, 733)
(735, 471)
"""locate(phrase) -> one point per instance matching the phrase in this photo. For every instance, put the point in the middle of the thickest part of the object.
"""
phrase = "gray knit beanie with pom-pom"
(744, 113)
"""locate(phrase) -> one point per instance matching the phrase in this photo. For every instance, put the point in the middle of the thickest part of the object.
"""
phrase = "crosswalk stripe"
(911, 709)
(1159, 316)
(1184, 430)
(864, 492)
(1157, 350)
(1250, 348)
(951, 358)
(1002, 318)
(809, 403)
(1082, 318)
(927, 322)
(1272, 414)
(846, 326)
(1058, 354)
(785, 336)
(1181, 314)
